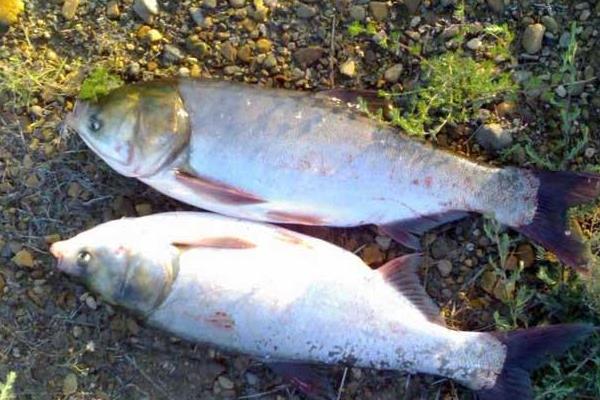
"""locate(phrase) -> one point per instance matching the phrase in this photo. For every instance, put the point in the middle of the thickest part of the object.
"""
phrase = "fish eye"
(95, 123)
(83, 258)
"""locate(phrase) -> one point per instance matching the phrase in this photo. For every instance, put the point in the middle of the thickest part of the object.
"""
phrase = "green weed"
(356, 29)
(6, 388)
(99, 83)
(454, 88)
(574, 137)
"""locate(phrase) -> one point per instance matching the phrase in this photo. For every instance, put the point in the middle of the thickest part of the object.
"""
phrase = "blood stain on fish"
(221, 320)
(428, 181)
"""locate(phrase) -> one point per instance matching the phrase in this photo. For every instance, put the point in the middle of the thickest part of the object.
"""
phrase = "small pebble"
(493, 137)
(23, 258)
(305, 11)
(69, 384)
(69, 8)
(348, 68)
(358, 13)
(474, 44)
(392, 74)
(112, 9)
(145, 9)
(532, 38)
(237, 3)
(197, 15)
(379, 10)
(225, 382)
(209, 4)
(444, 267)
(91, 303)
(263, 45)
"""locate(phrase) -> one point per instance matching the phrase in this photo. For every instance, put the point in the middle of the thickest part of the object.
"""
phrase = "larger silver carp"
(287, 298)
(290, 157)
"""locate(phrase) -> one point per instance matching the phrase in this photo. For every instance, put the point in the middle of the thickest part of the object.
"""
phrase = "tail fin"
(526, 350)
(550, 226)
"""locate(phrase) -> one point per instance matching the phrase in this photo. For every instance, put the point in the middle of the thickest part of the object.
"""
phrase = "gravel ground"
(64, 343)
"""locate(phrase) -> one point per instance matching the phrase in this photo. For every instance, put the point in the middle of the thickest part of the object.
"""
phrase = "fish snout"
(79, 111)
(58, 251)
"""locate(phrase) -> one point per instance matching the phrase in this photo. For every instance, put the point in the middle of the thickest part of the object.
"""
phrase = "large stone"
(308, 55)
(379, 10)
(392, 74)
(10, 11)
(145, 9)
(532, 38)
(496, 5)
(493, 137)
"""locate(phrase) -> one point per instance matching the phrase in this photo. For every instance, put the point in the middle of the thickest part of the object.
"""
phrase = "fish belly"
(310, 162)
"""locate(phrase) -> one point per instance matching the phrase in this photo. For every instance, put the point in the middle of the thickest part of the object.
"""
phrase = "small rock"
(474, 44)
(589, 152)
(37, 111)
(532, 38)
(171, 55)
(225, 382)
(144, 208)
(2, 284)
(270, 61)
(69, 384)
(493, 137)
(70, 8)
(10, 11)
(209, 4)
(112, 9)
(506, 108)
(358, 13)
(134, 69)
(412, 5)
(488, 281)
(308, 55)
(392, 74)
(77, 331)
(496, 5)
(561, 91)
(145, 9)
(526, 254)
(444, 267)
(245, 53)
(52, 238)
(229, 52)
(379, 10)
(550, 23)
(237, 3)
(152, 36)
(23, 258)
(263, 45)
(197, 15)
(384, 242)
(585, 15)
(440, 248)
(348, 68)
(91, 303)
(305, 11)
(372, 254)
(197, 47)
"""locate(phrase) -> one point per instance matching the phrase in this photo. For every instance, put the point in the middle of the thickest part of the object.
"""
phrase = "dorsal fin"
(401, 273)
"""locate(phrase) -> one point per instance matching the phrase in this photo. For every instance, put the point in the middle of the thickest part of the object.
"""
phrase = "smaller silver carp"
(289, 299)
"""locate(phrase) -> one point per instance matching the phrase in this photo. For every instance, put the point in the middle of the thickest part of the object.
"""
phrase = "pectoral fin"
(371, 98)
(220, 242)
(216, 190)
(309, 379)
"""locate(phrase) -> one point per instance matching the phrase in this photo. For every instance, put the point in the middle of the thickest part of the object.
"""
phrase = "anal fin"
(407, 232)
(401, 273)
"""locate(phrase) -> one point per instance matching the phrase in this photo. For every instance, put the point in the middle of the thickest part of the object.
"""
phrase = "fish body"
(288, 157)
(278, 295)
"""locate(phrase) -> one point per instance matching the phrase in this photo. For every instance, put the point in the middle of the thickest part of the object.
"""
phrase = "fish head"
(136, 129)
(121, 262)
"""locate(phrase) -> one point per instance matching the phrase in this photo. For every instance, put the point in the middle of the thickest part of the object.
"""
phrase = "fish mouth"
(58, 253)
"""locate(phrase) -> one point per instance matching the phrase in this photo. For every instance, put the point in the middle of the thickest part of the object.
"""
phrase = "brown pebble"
(371, 254)
(23, 259)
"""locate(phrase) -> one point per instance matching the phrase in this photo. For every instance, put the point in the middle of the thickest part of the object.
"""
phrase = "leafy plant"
(6, 388)
(454, 88)
(99, 83)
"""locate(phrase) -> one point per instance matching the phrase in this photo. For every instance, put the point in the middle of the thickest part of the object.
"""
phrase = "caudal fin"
(526, 350)
(550, 226)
